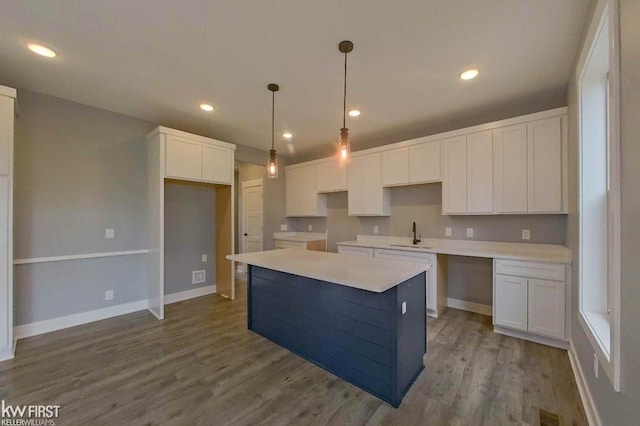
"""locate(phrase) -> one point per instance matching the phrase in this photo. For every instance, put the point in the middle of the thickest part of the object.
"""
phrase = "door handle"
(246, 235)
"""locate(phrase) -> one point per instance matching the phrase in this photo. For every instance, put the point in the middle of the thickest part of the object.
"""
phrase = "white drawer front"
(408, 256)
(356, 251)
(545, 271)
(280, 244)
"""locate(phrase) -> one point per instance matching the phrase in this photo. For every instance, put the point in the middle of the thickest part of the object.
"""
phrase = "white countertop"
(513, 251)
(299, 236)
(376, 275)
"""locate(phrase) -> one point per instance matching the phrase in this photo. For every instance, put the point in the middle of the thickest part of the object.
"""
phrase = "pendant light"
(344, 147)
(272, 164)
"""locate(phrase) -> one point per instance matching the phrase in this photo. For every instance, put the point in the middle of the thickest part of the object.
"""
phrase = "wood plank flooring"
(202, 366)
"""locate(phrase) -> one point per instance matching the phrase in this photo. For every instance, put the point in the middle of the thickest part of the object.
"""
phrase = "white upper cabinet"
(425, 161)
(196, 158)
(545, 155)
(510, 169)
(395, 166)
(480, 172)
(331, 176)
(183, 158)
(366, 196)
(454, 178)
(217, 164)
(301, 196)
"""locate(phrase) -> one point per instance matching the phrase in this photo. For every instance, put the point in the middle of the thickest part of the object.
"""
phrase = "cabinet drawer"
(281, 244)
(408, 256)
(545, 271)
(356, 251)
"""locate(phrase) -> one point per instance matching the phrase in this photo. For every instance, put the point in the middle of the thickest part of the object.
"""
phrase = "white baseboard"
(41, 327)
(189, 294)
(581, 381)
(463, 305)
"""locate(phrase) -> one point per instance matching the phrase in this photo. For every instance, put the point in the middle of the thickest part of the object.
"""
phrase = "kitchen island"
(361, 319)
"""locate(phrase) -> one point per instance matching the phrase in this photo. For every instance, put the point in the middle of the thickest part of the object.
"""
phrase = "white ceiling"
(158, 60)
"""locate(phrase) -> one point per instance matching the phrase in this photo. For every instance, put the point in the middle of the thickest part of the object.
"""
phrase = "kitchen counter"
(375, 275)
(488, 249)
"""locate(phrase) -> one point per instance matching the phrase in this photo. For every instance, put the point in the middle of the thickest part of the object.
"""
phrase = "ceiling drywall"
(158, 60)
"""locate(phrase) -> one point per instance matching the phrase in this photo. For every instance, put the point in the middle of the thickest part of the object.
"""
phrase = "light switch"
(469, 232)
(447, 231)
(109, 233)
(404, 308)
(375, 229)
(108, 295)
(204, 258)
(526, 234)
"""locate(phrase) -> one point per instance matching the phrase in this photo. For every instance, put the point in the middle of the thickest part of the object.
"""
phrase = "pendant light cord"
(273, 118)
(344, 109)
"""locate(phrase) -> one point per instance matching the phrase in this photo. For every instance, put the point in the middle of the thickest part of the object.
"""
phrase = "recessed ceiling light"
(354, 112)
(41, 50)
(469, 74)
(287, 135)
(206, 107)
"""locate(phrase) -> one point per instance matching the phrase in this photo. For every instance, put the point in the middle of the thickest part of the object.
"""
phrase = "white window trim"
(599, 327)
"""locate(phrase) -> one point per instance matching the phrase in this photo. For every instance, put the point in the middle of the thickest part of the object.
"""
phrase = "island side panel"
(411, 334)
(344, 330)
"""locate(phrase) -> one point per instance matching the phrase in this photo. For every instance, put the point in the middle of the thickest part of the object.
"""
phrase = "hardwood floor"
(202, 366)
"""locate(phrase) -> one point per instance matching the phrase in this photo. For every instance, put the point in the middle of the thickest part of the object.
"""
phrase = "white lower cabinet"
(528, 301)
(356, 251)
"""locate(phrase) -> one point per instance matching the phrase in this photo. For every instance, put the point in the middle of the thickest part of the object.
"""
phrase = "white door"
(510, 169)
(544, 141)
(480, 172)
(546, 308)
(252, 216)
(510, 300)
(454, 179)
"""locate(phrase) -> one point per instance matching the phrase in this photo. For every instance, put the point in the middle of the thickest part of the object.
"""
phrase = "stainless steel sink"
(411, 246)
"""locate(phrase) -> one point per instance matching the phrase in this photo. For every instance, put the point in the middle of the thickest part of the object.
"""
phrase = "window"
(599, 190)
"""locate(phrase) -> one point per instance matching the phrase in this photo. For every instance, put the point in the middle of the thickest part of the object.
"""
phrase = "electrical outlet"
(204, 258)
(310, 227)
(469, 232)
(198, 277)
(404, 308)
(109, 233)
(284, 227)
(526, 234)
(595, 365)
(447, 231)
(375, 229)
(108, 295)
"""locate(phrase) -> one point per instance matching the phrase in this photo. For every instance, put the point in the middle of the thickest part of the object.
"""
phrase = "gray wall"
(616, 408)
(189, 232)
(470, 279)
(79, 170)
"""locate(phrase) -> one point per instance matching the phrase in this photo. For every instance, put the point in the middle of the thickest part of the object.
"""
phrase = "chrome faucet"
(415, 240)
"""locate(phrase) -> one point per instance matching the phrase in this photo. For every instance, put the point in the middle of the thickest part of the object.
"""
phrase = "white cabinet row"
(530, 297)
(432, 304)
(516, 166)
(514, 169)
(193, 159)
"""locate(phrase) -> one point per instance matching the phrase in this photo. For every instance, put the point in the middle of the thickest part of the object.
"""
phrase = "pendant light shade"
(344, 147)
(272, 163)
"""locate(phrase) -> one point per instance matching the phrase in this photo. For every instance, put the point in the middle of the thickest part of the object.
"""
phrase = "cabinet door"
(395, 166)
(301, 197)
(356, 251)
(480, 172)
(510, 299)
(364, 184)
(6, 133)
(281, 244)
(425, 162)
(510, 169)
(454, 179)
(183, 158)
(546, 308)
(331, 176)
(544, 141)
(217, 164)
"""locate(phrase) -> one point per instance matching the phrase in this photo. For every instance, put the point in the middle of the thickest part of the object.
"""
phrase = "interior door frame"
(244, 185)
